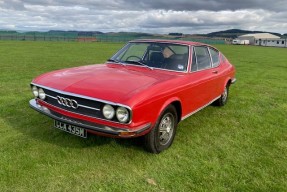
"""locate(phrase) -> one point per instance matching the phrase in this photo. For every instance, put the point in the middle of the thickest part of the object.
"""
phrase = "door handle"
(214, 72)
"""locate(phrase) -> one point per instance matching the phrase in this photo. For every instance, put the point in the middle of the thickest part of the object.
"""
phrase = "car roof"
(169, 41)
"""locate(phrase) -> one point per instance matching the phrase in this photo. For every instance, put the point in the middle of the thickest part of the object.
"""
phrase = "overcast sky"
(151, 16)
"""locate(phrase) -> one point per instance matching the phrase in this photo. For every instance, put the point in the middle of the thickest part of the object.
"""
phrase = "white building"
(271, 42)
(240, 42)
(264, 39)
(257, 36)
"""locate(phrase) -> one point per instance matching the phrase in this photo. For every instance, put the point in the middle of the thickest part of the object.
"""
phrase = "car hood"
(111, 82)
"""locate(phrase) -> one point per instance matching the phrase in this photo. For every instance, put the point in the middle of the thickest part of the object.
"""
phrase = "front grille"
(86, 107)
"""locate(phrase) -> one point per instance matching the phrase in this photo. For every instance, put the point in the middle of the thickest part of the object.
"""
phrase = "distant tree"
(7, 32)
(233, 33)
(175, 34)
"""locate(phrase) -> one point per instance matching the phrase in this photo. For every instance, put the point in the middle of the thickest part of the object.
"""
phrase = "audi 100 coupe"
(145, 89)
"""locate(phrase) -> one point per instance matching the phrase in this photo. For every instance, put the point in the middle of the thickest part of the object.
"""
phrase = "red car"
(145, 89)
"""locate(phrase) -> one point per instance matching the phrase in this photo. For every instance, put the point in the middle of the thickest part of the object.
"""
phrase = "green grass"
(239, 147)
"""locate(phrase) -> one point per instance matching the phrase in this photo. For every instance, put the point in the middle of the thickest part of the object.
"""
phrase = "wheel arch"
(176, 103)
(227, 82)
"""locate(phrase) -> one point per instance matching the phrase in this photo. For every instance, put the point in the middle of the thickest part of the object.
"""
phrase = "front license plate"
(81, 132)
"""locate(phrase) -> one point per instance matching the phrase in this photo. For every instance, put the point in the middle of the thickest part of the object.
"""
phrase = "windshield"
(154, 55)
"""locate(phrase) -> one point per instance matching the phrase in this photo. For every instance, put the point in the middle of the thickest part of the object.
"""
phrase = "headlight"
(122, 114)
(42, 94)
(108, 111)
(35, 91)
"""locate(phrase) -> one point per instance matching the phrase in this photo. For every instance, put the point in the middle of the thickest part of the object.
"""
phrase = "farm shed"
(257, 38)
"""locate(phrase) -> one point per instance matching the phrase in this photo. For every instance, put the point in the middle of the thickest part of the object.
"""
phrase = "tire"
(162, 135)
(224, 97)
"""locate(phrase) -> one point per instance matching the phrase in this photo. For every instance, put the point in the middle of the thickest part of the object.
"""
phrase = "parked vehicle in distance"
(240, 42)
(145, 89)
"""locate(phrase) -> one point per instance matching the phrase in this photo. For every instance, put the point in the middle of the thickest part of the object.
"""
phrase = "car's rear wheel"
(224, 97)
(162, 135)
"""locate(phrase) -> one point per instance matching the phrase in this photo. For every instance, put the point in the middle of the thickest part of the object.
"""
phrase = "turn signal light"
(127, 134)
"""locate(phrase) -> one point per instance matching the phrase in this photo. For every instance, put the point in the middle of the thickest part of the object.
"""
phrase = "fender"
(167, 103)
(227, 81)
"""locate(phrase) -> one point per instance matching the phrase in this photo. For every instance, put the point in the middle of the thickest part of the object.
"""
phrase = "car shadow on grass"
(22, 118)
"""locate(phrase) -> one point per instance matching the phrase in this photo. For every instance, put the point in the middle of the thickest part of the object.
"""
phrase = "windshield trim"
(142, 66)
(152, 68)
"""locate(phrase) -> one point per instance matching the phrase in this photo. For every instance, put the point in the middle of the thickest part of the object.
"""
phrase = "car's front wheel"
(162, 135)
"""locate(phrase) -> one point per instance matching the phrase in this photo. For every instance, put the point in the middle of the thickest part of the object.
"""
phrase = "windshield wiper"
(116, 61)
(139, 62)
(113, 60)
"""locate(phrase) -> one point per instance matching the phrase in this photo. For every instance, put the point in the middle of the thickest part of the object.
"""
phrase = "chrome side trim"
(96, 109)
(211, 61)
(188, 115)
(85, 124)
(190, 52)
(52, 97)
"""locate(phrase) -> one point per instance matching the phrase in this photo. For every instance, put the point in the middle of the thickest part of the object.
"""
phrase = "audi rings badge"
(67, 102)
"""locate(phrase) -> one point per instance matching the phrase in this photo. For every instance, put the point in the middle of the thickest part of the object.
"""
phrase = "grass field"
(239, 147)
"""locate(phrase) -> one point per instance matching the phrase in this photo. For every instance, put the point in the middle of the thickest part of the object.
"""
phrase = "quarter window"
(194, 64)
(223, 58)
(202, 58)
(215, 57)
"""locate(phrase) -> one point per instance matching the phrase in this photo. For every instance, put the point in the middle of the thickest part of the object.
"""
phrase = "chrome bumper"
(233, 80)
(113, 131)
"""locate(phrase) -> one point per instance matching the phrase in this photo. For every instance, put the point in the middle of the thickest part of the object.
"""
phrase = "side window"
(193, 64)
(215, 57)
(202, 58)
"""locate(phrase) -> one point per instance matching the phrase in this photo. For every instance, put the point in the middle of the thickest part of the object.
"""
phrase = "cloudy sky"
(151, 16)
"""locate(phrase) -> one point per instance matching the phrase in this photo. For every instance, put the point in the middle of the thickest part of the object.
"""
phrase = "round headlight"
(122, 114)
(108, 111)
(42, 94)
(35, 91)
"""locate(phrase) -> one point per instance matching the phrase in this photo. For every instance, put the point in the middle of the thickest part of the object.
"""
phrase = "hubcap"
(166, 128)
(224, 95)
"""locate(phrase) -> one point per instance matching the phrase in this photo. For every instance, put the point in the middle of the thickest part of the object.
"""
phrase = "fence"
(94, 38)
(36, 38)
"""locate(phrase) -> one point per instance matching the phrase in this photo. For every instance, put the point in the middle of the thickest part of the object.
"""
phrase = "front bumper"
(98, 128)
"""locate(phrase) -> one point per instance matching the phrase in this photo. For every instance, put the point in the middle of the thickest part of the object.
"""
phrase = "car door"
(217, 70)
(203, 87)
